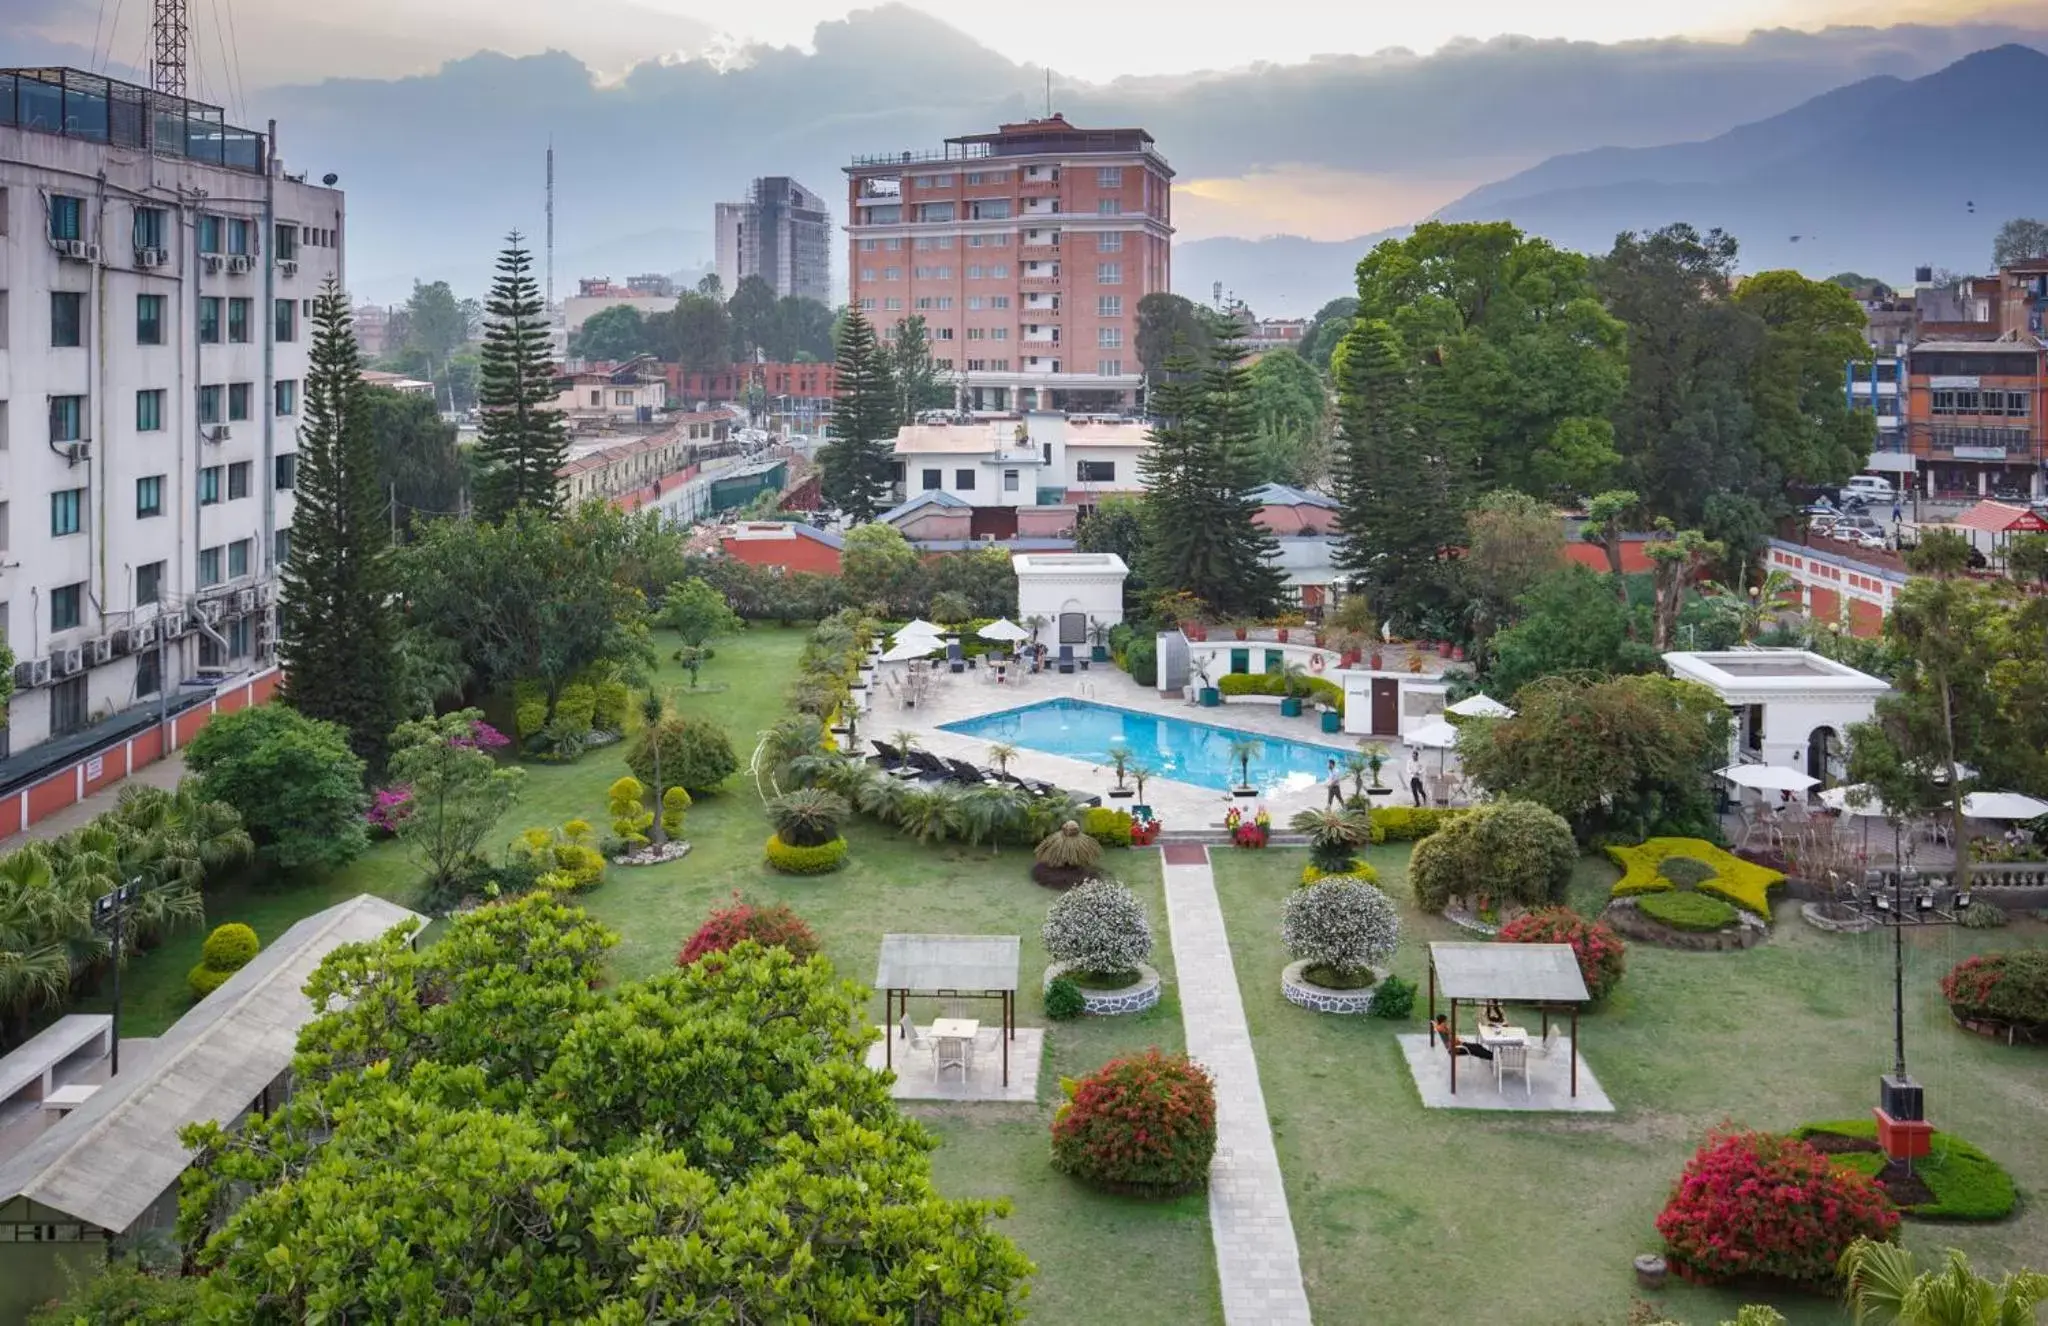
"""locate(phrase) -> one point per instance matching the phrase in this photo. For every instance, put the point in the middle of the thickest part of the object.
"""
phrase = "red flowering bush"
(1602, 955)
(1144, 1124)
(1761, 1204)
(2011, 986)
(771, 926)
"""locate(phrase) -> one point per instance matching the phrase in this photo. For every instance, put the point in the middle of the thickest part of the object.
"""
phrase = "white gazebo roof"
(1510, 973)
(1749, 676)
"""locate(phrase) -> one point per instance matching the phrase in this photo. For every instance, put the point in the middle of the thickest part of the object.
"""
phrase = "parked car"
(1869, 488)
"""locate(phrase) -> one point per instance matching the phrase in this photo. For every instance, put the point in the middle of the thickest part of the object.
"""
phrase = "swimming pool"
(1172, 747)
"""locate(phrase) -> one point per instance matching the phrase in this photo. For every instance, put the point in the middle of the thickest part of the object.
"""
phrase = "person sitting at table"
(1457, 1045)
(1495, 1014)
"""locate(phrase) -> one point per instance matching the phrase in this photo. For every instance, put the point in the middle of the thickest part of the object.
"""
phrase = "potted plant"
(1333, 716)
(1376, 760)
(1294, 680)
(1239, 626)
(1035, 623)
(1288, 622)
(1247, 830)
(1242, 749)
(1205, 692)
(1120, 758)
(1098, 641)
(1140, 771)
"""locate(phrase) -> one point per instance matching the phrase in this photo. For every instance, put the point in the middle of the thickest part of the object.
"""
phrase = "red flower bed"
(1144, 1124)
(772, 926)
(1602, 956)
(1763, 1205)
(2008, 986)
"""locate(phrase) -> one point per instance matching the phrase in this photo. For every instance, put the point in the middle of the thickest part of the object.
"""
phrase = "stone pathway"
(1257, 1261)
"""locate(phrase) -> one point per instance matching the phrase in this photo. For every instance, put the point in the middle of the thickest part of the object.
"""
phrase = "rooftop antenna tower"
(551, 223)
(1048, 94)
(169, 31)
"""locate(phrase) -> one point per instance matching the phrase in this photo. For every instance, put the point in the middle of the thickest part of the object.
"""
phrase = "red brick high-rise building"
(1026, 251)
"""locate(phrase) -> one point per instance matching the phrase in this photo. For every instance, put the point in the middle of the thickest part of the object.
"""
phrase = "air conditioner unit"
(123, 640)
(211, 261)
(213, 610)
(266, 628)
(64, 662)
(214, 432)
(75, 248)
(143, 636)
(151, 258)
(31, 672)
(77, 452)
(266, 593)
(287, 267)
(92, 253)
(102, 649)
(245, 600)
(240, 262)
(175, 625)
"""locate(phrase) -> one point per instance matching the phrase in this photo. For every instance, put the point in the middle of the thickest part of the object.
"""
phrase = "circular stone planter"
(1307, 994)
(1996, 1029)
(1135, 998)
(1747, 932)
(672, 850)
(1834, 925)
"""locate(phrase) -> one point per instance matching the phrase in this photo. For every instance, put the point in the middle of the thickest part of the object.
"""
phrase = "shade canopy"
(1510, 973)
(1846, 800)
(1768, 777)
(916, 646)
(931, 963)
(917, 626)
(1481, 706)
(2003, 806)
(1436, 734)
(1003, 629)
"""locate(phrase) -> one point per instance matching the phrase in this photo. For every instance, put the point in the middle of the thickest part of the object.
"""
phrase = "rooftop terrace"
(70, 103)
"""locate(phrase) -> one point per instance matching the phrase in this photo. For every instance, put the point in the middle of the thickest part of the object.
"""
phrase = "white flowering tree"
(1342, 928)
(1099, 930)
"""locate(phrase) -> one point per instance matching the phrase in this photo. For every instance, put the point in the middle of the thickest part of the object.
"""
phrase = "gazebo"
(950, 967)
(1543, 975)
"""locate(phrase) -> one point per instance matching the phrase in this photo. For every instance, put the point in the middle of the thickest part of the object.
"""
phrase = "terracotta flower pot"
(1443, 649)
(1457, 653)
(1283, 634)
(1240, 632)
(1373, 663)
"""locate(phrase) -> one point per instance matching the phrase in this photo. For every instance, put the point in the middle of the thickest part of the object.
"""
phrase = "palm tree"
(988, 812)
(36, 926)
(1243, 750)
(791, 739)
(1759, 604)
(1120, 757)
(1140, 771)
(1359, 765)
(1334, 837)
(928, 814)
(904, 740)
(1000, 754)
(1885, 1284)
(808, 817)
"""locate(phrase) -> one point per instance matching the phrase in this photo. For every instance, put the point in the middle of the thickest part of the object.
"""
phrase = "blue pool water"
(1174, 748)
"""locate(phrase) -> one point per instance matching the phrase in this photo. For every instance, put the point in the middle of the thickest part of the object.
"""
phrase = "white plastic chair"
(1551, 1036)
(1511, 1059)
(929, 1046)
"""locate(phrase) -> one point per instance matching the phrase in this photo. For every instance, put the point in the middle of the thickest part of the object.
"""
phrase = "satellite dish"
(330, 179)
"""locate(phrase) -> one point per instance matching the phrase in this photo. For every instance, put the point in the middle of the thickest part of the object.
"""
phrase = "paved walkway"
(164, 773)
(1256, 1257)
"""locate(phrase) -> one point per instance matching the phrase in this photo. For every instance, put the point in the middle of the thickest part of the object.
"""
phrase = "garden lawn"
(1404, 1214)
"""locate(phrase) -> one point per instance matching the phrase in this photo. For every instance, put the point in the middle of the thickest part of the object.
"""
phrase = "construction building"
(782, 233)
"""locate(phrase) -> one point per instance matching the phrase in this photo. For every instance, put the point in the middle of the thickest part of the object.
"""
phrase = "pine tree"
(521, 443)
(337, 641)
(1250, 582)
(854, 465)
(1394, 509)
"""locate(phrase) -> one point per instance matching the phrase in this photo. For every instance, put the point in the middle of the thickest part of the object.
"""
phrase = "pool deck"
(1179, 805)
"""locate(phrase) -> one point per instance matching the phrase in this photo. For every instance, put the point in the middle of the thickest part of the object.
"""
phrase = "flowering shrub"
(389, 808)
(2011, 986)
(772, 925)
(1601, 954)
(1340, 926)
(1760, 1204)
(482, 736)
(1144, 1124)
(1099, 929)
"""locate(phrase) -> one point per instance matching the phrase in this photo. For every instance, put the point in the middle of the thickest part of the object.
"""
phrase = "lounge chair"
(1066, 658)
(966, 773)
(929, 765)
(1035, 786)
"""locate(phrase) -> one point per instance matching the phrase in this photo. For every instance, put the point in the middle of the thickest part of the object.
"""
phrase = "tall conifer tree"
(1392, 508)
(521, 442)
(338, 638)
(1246, 553)
(854, 465)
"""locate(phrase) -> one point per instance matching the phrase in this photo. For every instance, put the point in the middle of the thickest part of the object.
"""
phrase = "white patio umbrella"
(1481, 706)
(2003, 806)
(1843, 799)
(917, 646)
(1768, 777)
(1003, 629)
(1436, 734)
(917, 626)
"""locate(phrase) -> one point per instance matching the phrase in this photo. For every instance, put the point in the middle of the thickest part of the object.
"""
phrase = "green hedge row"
(1274, 683)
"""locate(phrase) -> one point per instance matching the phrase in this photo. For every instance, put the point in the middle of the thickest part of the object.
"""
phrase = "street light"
(108, 912)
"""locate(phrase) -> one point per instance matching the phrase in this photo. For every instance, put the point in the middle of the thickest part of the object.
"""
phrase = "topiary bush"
(1753, 1204)
(2009, 986)
(1065, 857)
(695, 755)
(1512, 851)
(1602, 955)
(1647, 869)
(818, 859)
(1100, 931)
(1685, 872)
(1111, 828)
(226, 951)
(1695, 913)
(626, 803)
(675, 803)
(1408, 824)
(1145, 1124)
(1342, 928)
(1064, 1000)
(568, 851)
(771, 925)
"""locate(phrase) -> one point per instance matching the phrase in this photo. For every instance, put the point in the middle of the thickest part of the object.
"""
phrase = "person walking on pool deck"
(1336, 787)
(1415, 789)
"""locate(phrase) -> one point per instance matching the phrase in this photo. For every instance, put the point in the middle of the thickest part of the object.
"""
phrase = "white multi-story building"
(157, 276)
(1040, 458)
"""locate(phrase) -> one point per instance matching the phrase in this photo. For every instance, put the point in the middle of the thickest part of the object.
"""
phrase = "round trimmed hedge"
(1144, 1124)
(229, 947)
(696, 755)
(1693, 912)
(1961, 1182)
(2008, 986)
(1513, 851)
(822, 859)
(1601, 953)
(1343, 928)
(1100, 930)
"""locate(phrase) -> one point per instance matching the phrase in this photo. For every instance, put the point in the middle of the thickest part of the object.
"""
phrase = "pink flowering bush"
(1761, 1204)
(482, 736)
(389, 808)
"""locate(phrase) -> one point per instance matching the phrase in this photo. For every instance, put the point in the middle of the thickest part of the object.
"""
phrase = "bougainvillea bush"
(388, 809)
(1145, 1124)
(1760, 1204)
(772, 925)
(1601, 954)
(1099, 929)
(1341, 927)
(2007, 987)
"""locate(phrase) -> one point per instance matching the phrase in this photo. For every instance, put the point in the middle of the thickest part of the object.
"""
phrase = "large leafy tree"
(459, 792)
(618, 332)
(854, 465)
(1290, 409)
(878, 565)
(1164, 322)
(529, 1145)
(1117, 525)
(697, 612)
(293, 780)
(1327, 329)
(752, 311)
(1512, 542)
(1569, 621)
(2018, 240)
(697, 333)
(1805, 430)
(339, 630)
(521, 444)
(418, 467)
(803, 331)
(918, 384)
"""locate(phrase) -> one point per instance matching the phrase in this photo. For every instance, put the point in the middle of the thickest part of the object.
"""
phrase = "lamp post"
(1896, 899)
(109, 910)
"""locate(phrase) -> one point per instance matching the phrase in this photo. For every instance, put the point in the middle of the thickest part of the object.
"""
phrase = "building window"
(238, 638)
(1109, 338)
(1095, 471)
(67, 217)
(149, 411)
(209, 233)
(999, 301)
(1109, 273)
(67, 706)
(1109, 177)
(892, 304)
(149, 319)
(932, 480)
(209, 567)
(1109, 306)
(238, 480)
(238, 235)
(892, 273)
(238, 401)
(281, 547)
(149, 673)
(65, 507)
(867, 304)
(65, 601)
(867, 273)
(66, 416)
(238, 321)
(964, 480)
(285, 240)
(286, 476)
(287, 320)
(149, 228)
(209, 404)
(67, 319)
(1001, 271)
(929, 212)
(209, 485)
(149, 496)
(286, 397)
(209, 320)
(238, 558)
(1109, 368)
(1110, 241)
(1010, 481)
(149, 582)
(999, 333)
(976, 333)
(1108, 207)
(989, 209)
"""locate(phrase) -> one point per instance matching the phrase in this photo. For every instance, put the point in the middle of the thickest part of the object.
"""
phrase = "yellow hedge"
(1734, 880)
(1359, 870)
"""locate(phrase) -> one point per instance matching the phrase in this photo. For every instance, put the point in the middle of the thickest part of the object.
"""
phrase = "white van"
(1870, 488)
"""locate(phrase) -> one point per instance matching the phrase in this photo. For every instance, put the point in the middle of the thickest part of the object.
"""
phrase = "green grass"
(1100, 1258)
(1418, 1212)
(1687, 911)
(1966, 1183)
